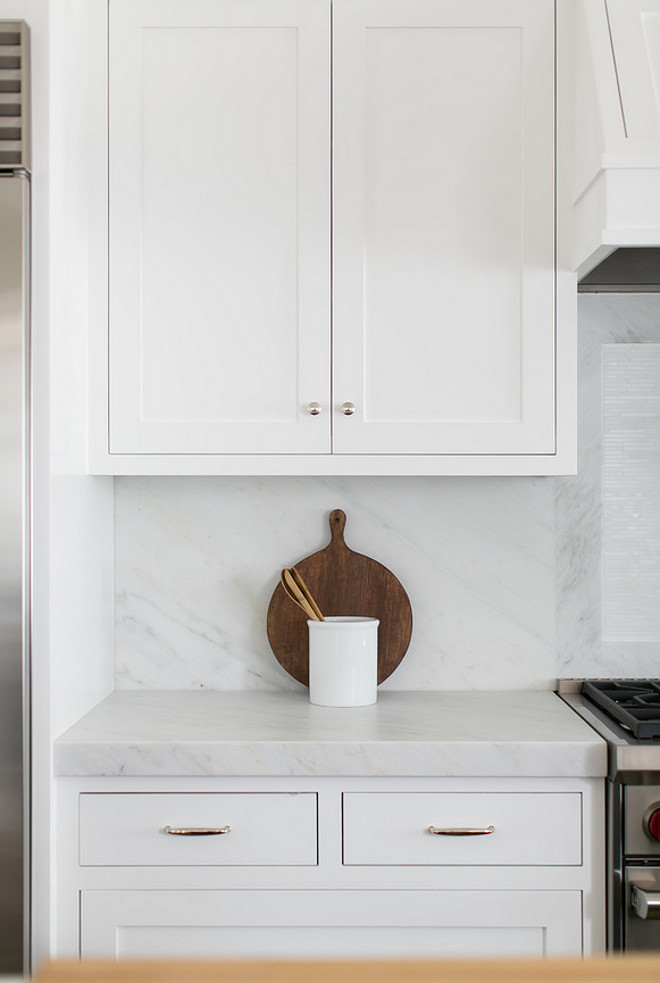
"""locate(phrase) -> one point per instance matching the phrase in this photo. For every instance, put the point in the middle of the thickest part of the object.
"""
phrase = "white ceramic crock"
(343, 661)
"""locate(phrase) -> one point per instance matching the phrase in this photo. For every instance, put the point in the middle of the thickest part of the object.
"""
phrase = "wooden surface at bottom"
(608, 969)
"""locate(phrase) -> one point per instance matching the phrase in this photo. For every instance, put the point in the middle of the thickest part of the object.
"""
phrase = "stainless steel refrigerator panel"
(13, 562)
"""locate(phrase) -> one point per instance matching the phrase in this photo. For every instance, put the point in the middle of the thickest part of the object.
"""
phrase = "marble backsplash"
(198, 559)
(504, 574)
(608, 516)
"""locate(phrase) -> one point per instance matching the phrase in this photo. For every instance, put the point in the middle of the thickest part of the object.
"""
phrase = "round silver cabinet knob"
(314, 409)
(348, 409)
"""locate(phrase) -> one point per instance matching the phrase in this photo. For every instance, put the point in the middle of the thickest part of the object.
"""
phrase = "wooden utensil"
(342, 582)
(293, 593)
(306, 592)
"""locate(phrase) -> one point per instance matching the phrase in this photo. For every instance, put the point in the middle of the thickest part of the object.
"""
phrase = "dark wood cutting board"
(343, 582)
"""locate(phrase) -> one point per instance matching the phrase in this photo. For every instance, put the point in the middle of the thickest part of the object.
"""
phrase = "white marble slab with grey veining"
(197, 560)
(259, 733)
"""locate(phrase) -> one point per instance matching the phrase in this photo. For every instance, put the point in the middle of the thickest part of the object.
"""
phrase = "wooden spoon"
(294, 593)
(302, 596)
(307, 594)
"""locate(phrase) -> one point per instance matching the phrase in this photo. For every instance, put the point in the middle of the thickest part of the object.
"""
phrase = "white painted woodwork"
(265, 829)
(390, 828)
(119, 909)
(444, 327)
(219, 226)
(615, 132)
(443, 236)
(635, 32)
(72, 534)
(329, 924)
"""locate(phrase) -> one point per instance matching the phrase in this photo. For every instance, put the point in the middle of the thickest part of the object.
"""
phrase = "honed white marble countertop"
(471, 734)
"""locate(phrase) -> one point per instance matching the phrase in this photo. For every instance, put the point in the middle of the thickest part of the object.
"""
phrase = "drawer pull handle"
(461, 830)
(196, 830)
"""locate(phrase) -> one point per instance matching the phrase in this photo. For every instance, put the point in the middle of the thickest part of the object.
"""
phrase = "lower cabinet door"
(324, 924)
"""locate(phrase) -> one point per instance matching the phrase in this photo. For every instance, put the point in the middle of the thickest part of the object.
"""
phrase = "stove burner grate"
(634, 703)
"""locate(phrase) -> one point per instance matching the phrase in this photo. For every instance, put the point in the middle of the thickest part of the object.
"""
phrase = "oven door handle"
(645, 903)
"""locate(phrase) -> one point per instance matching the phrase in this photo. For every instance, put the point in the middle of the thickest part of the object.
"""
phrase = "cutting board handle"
(337, 521)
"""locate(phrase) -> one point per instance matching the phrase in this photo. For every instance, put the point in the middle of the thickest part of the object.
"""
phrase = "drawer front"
(528, 829)
(260, 829)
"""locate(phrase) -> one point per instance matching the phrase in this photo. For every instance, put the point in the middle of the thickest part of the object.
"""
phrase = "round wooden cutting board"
(343, 583)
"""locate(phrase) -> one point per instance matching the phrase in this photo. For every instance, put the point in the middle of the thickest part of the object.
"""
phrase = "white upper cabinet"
(219, 226)
(439, 350)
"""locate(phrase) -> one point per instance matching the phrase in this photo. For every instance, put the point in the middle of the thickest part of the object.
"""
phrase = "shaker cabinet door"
(219, 279)
(443, 238)
(281, 924)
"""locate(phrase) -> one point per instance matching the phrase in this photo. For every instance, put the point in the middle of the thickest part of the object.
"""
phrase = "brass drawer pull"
(196, 830)
(461, 830)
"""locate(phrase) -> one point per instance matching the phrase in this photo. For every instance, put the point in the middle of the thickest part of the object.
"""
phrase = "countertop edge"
(393, 759)
(424, 735)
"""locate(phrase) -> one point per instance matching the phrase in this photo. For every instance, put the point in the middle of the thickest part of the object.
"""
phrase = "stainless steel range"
(626, 712)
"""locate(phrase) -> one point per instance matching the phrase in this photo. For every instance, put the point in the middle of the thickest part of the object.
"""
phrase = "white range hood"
(616, 192)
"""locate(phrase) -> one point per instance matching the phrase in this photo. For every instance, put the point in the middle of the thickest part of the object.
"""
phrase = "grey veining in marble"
(268, 733)
(197, 559)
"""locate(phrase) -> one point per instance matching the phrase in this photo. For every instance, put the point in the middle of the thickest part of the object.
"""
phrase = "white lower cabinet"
(327, 924)
(329, 867)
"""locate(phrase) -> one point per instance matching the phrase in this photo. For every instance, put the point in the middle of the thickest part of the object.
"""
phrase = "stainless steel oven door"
(642, 891)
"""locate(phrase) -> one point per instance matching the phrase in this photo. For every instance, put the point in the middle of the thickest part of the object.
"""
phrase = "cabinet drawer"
(529, 829)
(262, 828)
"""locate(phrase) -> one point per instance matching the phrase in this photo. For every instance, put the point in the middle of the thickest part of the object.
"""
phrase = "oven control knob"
(652, 821)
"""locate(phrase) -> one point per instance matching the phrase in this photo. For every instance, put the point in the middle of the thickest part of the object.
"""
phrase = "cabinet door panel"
(326, 924)
(219, 226)
(443, 176)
